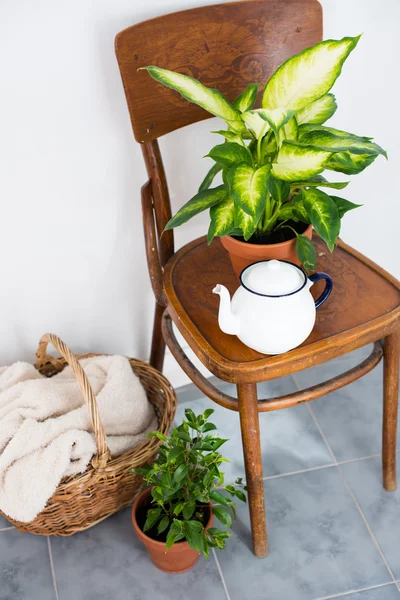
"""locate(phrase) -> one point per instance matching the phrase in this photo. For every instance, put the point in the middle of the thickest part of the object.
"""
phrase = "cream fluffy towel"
(46, 433)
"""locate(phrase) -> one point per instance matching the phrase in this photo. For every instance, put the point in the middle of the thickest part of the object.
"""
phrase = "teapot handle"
(328, 287)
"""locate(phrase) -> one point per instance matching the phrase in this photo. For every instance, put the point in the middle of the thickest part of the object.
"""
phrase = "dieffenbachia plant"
(273, 157)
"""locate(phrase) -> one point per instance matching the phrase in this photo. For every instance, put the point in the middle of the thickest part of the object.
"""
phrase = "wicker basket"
(106, 486)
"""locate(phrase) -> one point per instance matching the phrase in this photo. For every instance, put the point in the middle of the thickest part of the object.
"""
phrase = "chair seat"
(363, 307)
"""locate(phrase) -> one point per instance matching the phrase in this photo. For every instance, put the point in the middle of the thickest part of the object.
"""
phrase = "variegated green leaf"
(225, 172)
(318, 111)
(323, 214)
(319, 181)
(297, 162)
(246, 223)
(276, 118)
(258, 126)
(230, 136)
(221, 215)
(344, 205)
(299, 211)
(307, 127)
(269, 146)
(350, 164)
(307, 76)
(197, 204)
(325, 140)
(236, 231)
(290, 130)
(361, 138)
(229, 154)
(294, 210)
(249, 187)
(286, 212)
(344, 158)
(247, 98)
(209, 178)
(194, 91)
(306, 252)
(279, 190)
(252, 147)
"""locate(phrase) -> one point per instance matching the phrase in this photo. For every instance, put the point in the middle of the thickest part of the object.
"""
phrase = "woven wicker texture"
(106, 486)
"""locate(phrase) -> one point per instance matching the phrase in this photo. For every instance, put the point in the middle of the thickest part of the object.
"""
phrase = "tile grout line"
(327, 466)
(343, 594)
(320, 467)
(322, 433)
(53, 572)
(221, 573)
(299, 472)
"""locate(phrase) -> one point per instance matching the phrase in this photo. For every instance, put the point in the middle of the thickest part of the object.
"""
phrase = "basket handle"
(103, 453)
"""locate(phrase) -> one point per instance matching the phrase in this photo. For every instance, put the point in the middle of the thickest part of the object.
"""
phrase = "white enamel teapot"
(273, 310)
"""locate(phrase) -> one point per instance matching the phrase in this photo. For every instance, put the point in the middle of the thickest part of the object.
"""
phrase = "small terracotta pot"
(243, 254)
(181, 557)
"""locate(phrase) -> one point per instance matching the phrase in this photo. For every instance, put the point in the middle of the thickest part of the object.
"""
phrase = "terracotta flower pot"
(181, 557)
(243, 254)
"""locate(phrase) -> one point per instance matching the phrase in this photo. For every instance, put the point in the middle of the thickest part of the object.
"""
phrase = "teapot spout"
(228, 322)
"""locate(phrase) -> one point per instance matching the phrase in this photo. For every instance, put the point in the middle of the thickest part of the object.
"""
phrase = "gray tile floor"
(333, 530)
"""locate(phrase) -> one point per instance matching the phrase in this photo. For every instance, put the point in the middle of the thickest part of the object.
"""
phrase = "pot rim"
(236, 242)
(141, 534)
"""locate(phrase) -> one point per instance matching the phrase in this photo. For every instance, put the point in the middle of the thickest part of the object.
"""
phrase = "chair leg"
(390, 406)
(248, 410)
(157, 343)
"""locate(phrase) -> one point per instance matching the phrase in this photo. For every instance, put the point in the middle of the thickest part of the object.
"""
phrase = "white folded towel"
(45, 428)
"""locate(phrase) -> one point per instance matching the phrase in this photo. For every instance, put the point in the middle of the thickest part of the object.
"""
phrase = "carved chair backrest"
(227, 47)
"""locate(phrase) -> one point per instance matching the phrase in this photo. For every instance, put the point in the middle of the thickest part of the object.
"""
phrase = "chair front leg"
(157, 353)
(249, 424)
(390, 406)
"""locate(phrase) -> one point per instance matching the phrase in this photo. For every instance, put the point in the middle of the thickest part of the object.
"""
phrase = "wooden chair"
(228, 46)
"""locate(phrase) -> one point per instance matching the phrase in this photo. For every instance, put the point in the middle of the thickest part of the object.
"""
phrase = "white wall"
(71, 244)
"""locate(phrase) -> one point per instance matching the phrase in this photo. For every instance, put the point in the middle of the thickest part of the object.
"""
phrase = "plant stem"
(266, 217)
(294, 231)
(268, 205)
(271, 213)
(259, 150)
(275, 216)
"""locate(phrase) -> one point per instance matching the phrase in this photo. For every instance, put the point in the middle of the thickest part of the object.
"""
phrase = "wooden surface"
(160, 199)
(390, 409)
(363, 307)
(267, 404)
(226, 46)
(250, 428)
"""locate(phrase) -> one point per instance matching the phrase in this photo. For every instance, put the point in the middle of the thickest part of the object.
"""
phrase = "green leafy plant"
(272, 158)
(185, 478)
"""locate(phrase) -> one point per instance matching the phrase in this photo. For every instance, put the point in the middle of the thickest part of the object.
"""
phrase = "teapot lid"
(273, 278)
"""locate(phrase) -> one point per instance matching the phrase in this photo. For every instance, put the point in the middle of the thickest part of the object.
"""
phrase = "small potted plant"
(273, 157)
(173, 516)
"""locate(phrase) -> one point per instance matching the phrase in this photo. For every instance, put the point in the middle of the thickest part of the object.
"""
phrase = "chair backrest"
(226, 46)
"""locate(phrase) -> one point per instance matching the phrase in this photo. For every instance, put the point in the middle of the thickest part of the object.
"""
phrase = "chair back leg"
(157, 353)
(249, 424)
(390, 407)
